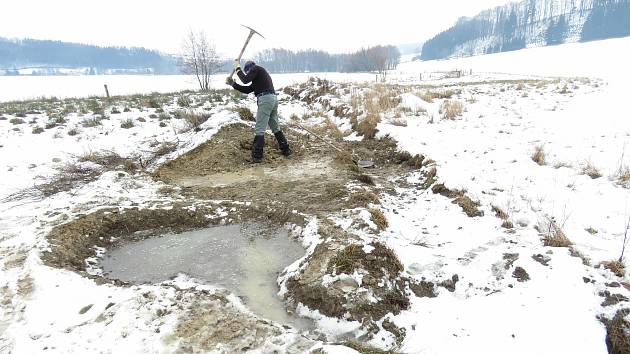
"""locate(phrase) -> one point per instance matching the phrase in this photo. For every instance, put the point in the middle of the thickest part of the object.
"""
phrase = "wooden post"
(106, 91)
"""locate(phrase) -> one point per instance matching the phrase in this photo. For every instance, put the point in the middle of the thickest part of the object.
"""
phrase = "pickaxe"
(251, 34)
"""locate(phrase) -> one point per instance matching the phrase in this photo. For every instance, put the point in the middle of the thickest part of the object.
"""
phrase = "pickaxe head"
(252, 31)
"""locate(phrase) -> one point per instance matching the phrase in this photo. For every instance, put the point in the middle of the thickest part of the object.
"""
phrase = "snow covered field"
(30, 87)
(508, 292)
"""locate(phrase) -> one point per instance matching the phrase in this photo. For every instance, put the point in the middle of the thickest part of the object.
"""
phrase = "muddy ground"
(314, 181)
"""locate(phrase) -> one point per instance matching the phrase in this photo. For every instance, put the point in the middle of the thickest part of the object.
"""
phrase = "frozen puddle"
(306, 169)
(244, 259)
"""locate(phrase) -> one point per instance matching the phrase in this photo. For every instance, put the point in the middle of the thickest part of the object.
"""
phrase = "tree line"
(33, 52)
(373, 59)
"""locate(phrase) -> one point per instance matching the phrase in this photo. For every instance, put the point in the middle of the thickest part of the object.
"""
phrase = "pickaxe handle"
(251, 34)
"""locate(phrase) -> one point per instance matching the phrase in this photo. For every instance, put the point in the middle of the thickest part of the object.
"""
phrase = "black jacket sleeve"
(251, 75)
(243, 89)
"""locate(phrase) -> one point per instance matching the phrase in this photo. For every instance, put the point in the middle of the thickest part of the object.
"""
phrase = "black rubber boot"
(283, 144)
(257, 148)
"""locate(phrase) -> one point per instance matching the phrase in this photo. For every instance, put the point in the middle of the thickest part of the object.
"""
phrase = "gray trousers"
(267, 114)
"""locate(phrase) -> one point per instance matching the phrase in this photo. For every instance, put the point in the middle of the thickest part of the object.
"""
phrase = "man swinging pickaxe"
(262, 87)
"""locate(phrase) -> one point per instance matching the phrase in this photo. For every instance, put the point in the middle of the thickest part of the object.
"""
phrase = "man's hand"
(237, 64)
(229, 81)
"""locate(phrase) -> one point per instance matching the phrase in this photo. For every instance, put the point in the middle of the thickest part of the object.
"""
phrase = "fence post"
(106, 90)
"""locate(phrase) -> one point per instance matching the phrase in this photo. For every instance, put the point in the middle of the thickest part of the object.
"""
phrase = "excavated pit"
(243, 258)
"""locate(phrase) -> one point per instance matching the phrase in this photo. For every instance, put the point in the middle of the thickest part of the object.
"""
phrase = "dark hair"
(248, 66)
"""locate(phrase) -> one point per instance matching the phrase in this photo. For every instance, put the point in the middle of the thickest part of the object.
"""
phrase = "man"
(267, 114)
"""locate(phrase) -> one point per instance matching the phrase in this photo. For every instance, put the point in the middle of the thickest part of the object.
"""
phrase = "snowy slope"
(531, 23)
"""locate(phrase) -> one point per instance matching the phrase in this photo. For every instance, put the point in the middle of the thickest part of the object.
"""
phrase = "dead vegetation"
(590, 170)
(616, 266)
(364, 197)
(553, 236)
(367, 126)
(618, 333)
(623, 177)
(430, 95)
(378, 218)
(381, 271)
(470, 207)
(245, 114)
(539, 155)
(499, 213)
(195, 119)
(451, 109)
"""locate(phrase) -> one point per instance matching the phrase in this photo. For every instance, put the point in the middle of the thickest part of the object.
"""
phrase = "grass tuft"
(378, 218)
(451, 109)
(539, 155)
(553, 236)
(616, 267)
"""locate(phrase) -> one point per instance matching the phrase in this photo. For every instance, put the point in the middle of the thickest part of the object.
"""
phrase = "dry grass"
(109, 160)
(616, 267)
(561, 164)
(574, 252)
(553, 236)
(399, 122)
(127, 123)
(429, 96)
(469, 206)
(618, 333)
(364, 197)
(623, 177)
(195, 119)
(451, 109)
(364, 178)
(328, 128)
(245, 114)
(499, 213)
(165, 148)
(378, 218)
(590, 170)
(539, 155)
(367, 126)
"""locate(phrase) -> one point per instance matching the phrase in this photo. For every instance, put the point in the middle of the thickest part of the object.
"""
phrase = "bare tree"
(199, 57)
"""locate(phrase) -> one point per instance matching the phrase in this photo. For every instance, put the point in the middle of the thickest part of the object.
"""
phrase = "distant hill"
(45, 57)
(531, 23)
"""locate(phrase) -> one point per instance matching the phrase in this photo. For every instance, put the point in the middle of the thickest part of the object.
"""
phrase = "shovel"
(359, 163)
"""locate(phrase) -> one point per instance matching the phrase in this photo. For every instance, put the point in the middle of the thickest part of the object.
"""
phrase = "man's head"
(248, 66)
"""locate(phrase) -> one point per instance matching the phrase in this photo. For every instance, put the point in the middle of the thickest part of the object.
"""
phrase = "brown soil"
(286, 183)
(336, 256)
(618, 333)
(612, 299)
(423, 289)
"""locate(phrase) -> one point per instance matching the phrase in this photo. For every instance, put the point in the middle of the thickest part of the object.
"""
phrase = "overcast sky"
(332, 25)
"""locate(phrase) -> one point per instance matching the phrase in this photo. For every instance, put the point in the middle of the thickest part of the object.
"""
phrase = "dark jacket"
(258, 76)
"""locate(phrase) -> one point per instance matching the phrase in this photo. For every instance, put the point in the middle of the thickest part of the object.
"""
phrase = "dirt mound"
(313, 180)
(344, 297)
(227, 151)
